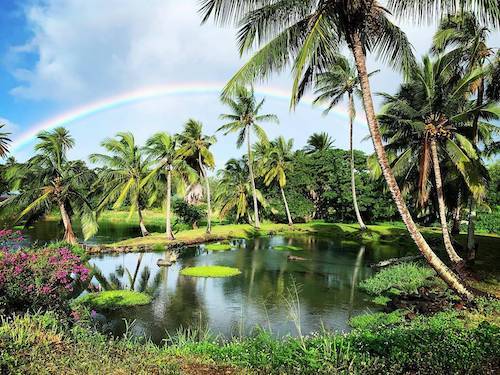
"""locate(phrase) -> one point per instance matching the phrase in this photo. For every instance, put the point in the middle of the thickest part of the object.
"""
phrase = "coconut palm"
(275, 162)
(464, 38)
(307, 34)
(4, 142)
(234, 189)
(123, 175)
(338, 81)
(426, 124)
(195, 147)
(318, 142)
(245, 119)
(49, 180)
(163, 149)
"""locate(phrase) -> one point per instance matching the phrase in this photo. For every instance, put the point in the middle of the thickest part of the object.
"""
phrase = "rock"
(294, 257)
(163, 263)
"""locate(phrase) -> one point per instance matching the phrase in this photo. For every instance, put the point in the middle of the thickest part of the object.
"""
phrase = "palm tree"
(195, 147)
(123, 175)
(425, 124)
(4, 141)
(245, 119)
(163, 149)
(318, 142)
(49, 179)
(464, 37)
(275, 163)
(332, 86)
(307, 34)
(234, 189)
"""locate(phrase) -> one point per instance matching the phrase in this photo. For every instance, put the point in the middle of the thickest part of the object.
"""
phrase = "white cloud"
(94, 48)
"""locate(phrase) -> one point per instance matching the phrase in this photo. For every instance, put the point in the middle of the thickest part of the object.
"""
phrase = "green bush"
(407, 277)
(489, 221)
(188, 213)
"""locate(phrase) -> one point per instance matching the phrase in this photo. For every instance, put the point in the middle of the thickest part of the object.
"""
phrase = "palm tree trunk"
(69, 235)
(207, 186)
(454, 257)
(443, 271)
(471, 239)
(168, 225)
(252, 179)
(289, 217)
(455, 228)
(144, 231)
(362, 225)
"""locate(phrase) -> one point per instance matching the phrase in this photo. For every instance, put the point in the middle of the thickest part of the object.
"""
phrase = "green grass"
(287, 248)
(218, 247)
(114, 299)
(210, 271)
(406, 278)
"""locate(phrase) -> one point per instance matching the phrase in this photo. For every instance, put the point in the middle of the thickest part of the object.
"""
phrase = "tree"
(122, 178)
(195, 147)
(244, 119)
(49, 179)
(426, 122)
(4, 142)
(234, 189)
(340, 80)
(163, 149)
(318, 142)
(464, 39)
(306, 34)
(275, 163)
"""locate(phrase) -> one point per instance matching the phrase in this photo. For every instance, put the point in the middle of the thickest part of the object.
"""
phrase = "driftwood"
(294, 257)
(392, 261)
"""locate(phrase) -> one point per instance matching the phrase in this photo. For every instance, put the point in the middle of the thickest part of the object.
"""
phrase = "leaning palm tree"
(123, 175)
(275, 162)
(307, 34)
(50, 180)
(234, 190)
(244, 119)
(318, 142)
(426, 124)
(163, 149)
(195, 147)
(4, 142)
(338, 81)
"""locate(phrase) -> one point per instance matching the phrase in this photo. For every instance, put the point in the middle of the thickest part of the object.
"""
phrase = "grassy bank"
(444, 343)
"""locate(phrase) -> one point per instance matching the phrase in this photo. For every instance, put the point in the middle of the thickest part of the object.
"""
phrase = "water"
(271, 291)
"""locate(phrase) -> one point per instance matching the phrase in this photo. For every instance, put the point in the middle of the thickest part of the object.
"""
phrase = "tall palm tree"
(318, 142)
(195, 146)
(275, 163)
(123, 175)
(163, 149)
(4, 142)
(338, 81)
(49, 179)
(234, 189)
(306, 34)
(426, 123)
(244, 119)
(464, 39)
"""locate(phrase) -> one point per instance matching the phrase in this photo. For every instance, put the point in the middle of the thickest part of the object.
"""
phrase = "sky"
(100, 67)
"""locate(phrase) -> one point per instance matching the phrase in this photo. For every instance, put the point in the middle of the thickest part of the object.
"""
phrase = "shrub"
(43, 279)
(188, 213)
(408, 278)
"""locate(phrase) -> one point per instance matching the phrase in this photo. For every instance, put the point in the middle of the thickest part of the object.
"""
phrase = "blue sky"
(58, 55)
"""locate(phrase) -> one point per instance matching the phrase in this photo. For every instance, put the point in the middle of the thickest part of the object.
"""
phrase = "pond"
(271, 292)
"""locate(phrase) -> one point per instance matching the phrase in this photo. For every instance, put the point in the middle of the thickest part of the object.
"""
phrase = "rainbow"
(141, 95)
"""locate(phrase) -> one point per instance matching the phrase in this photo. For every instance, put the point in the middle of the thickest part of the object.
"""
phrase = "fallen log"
(392, 261)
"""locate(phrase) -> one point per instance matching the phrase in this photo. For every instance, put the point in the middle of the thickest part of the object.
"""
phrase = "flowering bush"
(10, 240)
(42, 279)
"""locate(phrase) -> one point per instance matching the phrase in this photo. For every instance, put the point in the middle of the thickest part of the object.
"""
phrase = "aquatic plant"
(287, 248)
(114, 299)
(210, 271)
(218, 247)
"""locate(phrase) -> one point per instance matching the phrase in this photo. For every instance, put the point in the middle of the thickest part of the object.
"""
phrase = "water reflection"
(326, 282)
